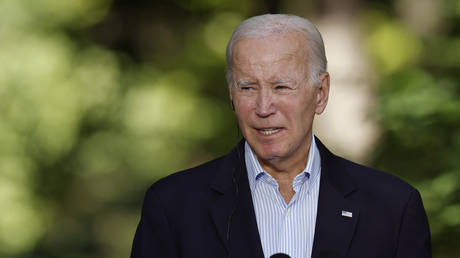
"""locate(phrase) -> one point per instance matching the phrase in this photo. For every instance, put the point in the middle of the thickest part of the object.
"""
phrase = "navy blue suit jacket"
(207, 211)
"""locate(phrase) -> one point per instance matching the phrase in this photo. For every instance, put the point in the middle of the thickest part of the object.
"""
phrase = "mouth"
(269, 131)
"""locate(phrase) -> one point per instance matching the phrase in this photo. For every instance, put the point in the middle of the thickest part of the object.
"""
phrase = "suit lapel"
(337, 215)
(234, 217)
(233, 210)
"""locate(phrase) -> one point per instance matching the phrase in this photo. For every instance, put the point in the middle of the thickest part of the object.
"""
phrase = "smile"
(269, 131)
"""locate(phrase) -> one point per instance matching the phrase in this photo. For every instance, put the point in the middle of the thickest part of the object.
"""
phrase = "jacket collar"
(234, 216)
(331, 166)
(233, 211)
(232, 166)
(334, 172)
(337, 213)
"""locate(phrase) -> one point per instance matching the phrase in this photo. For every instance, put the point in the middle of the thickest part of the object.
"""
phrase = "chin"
(267, 152)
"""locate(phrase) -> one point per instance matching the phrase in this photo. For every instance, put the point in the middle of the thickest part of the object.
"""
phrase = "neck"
(285, 170)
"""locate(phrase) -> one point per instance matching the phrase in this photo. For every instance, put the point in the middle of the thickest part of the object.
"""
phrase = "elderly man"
(280, 190)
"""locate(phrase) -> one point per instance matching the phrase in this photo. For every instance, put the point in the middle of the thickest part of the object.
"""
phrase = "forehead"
(285, 51)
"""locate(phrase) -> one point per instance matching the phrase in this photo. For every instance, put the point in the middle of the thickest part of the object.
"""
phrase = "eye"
(246, 88)
(282, 87)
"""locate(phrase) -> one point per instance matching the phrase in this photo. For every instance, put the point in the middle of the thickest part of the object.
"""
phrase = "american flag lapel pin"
(347, 214)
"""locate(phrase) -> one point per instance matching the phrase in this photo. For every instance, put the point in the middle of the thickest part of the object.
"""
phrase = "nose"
(265, 103)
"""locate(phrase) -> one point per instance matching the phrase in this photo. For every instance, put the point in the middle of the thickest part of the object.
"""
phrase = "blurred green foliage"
(84, 129)
(100, 98)
(419, 112)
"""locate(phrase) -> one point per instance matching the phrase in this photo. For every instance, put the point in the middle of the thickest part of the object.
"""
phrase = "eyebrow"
(240, 83)
(283, 81)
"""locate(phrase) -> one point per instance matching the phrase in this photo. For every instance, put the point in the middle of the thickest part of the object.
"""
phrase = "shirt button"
(287, 213)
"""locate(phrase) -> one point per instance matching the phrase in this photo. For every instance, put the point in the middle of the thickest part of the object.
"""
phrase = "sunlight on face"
(274, 103)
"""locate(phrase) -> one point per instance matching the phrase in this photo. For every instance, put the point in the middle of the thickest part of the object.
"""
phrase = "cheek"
(298, 111)
(242, 113)
(291, 105)
(243, 107)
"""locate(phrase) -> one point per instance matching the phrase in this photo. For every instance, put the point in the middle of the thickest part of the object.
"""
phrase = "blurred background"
(100, 98)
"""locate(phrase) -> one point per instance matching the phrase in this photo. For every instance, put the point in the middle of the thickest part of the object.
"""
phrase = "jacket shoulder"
(366, 179)
(375, 181)
(188, 179)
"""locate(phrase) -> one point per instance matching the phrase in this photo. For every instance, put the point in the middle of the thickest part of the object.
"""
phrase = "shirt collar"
(255, 170)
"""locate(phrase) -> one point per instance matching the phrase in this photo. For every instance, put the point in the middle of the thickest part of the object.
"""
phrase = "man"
(280, 190)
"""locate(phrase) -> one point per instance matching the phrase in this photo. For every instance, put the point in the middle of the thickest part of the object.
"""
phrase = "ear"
(322, 93)
(231, 100)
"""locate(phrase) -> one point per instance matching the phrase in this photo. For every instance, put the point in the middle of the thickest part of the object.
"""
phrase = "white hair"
(272, 24)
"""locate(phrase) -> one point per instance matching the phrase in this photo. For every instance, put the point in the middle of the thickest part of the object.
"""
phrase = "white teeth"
(269, 131)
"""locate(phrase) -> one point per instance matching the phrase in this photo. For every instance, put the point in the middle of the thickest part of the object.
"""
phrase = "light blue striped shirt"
(285, 228)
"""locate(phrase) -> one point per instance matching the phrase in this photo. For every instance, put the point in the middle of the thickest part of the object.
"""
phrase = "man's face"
(274, 103)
